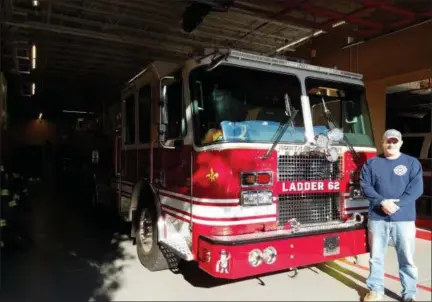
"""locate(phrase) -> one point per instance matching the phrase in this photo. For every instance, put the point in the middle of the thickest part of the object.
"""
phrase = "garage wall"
(398, 58)
(401, 53)
(33, 133)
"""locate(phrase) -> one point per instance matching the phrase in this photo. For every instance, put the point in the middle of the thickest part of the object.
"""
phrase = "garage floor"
(85, 256)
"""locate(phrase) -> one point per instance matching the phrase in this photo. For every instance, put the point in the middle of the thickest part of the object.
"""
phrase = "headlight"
(255, 257)
(269, 255)
(256, 198)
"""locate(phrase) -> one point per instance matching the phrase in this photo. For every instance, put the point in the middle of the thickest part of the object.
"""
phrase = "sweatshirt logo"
(400, 170)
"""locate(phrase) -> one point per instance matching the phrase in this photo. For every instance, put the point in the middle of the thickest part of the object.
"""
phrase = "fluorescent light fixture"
(40, 115)
(315, 34)
(337, 24)
(75, 111)
(33, 57)
(136, 76)
(33, 88)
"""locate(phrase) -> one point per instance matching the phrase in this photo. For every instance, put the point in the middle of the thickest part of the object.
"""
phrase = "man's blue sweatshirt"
(402, 178)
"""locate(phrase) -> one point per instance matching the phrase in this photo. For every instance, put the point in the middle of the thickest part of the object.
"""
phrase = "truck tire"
(149, 251)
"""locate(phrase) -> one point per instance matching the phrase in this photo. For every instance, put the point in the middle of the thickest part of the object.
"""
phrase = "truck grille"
(319, 208)
(307, 167)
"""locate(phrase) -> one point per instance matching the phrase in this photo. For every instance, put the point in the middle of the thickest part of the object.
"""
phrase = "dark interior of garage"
(413, 103)
(64, 64)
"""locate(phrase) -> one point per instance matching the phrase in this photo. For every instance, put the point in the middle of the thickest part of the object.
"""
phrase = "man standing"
(392, 182)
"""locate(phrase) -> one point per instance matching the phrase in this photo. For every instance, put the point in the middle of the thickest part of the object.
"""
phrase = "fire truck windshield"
(348, 106)
(238, 104)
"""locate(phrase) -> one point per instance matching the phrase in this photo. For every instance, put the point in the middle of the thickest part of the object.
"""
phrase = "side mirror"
(95, 156)
(164, 104)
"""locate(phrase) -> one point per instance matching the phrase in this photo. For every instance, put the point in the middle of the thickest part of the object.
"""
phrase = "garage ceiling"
(111, 39)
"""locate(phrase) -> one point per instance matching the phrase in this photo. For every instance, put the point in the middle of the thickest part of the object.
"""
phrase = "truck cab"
(244, 163)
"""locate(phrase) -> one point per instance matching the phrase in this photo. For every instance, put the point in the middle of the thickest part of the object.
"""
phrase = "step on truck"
(244, 163)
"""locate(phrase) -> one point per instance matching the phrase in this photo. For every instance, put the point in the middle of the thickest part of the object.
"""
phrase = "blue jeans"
(403, 235)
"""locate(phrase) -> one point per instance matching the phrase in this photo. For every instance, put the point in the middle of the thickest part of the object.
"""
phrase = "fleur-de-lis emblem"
(212, 175)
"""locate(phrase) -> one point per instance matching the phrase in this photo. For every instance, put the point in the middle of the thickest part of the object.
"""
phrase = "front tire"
(146, 234)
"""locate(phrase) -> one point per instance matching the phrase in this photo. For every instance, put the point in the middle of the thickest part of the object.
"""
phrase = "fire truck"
(246, 164)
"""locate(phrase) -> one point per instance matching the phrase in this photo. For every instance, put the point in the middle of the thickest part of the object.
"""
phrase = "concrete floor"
(84, 256)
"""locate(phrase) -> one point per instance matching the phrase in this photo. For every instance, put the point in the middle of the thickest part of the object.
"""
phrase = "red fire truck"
(244, 163)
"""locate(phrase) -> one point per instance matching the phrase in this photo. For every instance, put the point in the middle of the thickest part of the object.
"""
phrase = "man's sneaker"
(410, 300)
(373, 296)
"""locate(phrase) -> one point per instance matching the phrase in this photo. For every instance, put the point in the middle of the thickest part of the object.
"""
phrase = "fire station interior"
(63, 67)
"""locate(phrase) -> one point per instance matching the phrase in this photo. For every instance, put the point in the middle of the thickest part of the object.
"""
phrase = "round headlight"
(321, 141)
(255, 257)
(335, 134)
(270, 255)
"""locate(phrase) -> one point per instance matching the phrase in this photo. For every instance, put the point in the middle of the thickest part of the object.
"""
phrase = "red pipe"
(293, 20)
(355, 13)
(332, 14)
(390, 8)
(409, 15)
(426, 14)
(401, 23)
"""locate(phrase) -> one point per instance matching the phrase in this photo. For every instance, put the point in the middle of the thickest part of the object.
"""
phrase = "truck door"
(175, 156)
(128, 154)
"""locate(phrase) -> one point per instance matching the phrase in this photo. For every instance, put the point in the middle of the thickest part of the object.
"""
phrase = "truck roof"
(246, 56)
(296, 65)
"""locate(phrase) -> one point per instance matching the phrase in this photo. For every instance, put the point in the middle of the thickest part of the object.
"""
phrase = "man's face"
(392, 146)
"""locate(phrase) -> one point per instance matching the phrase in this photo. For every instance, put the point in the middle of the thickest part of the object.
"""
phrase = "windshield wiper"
(288, 109)
(281, 131)
(333, 124)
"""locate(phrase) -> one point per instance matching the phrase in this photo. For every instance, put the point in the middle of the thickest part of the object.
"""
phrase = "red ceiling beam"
(332, 14)
(409, 15)
(390, 8)
(425, 14)
(297, 21)
(355, 13)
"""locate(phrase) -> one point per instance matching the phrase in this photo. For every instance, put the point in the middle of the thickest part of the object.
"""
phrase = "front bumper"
(227, 257)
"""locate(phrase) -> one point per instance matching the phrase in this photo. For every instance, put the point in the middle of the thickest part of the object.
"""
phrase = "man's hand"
(389, 207)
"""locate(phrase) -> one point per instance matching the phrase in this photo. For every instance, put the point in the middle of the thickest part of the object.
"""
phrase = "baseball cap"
(392, 133)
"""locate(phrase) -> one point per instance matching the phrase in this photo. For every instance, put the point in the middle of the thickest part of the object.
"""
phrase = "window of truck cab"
(129, 120)
(348, 106)
(172, 86)
(240, 104)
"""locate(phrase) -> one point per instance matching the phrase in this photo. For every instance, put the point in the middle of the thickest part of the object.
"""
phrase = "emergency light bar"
(274, 61)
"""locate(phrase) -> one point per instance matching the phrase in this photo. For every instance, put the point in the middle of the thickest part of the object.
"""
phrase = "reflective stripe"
(3, 223)
(4, 192)
(12, 203)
